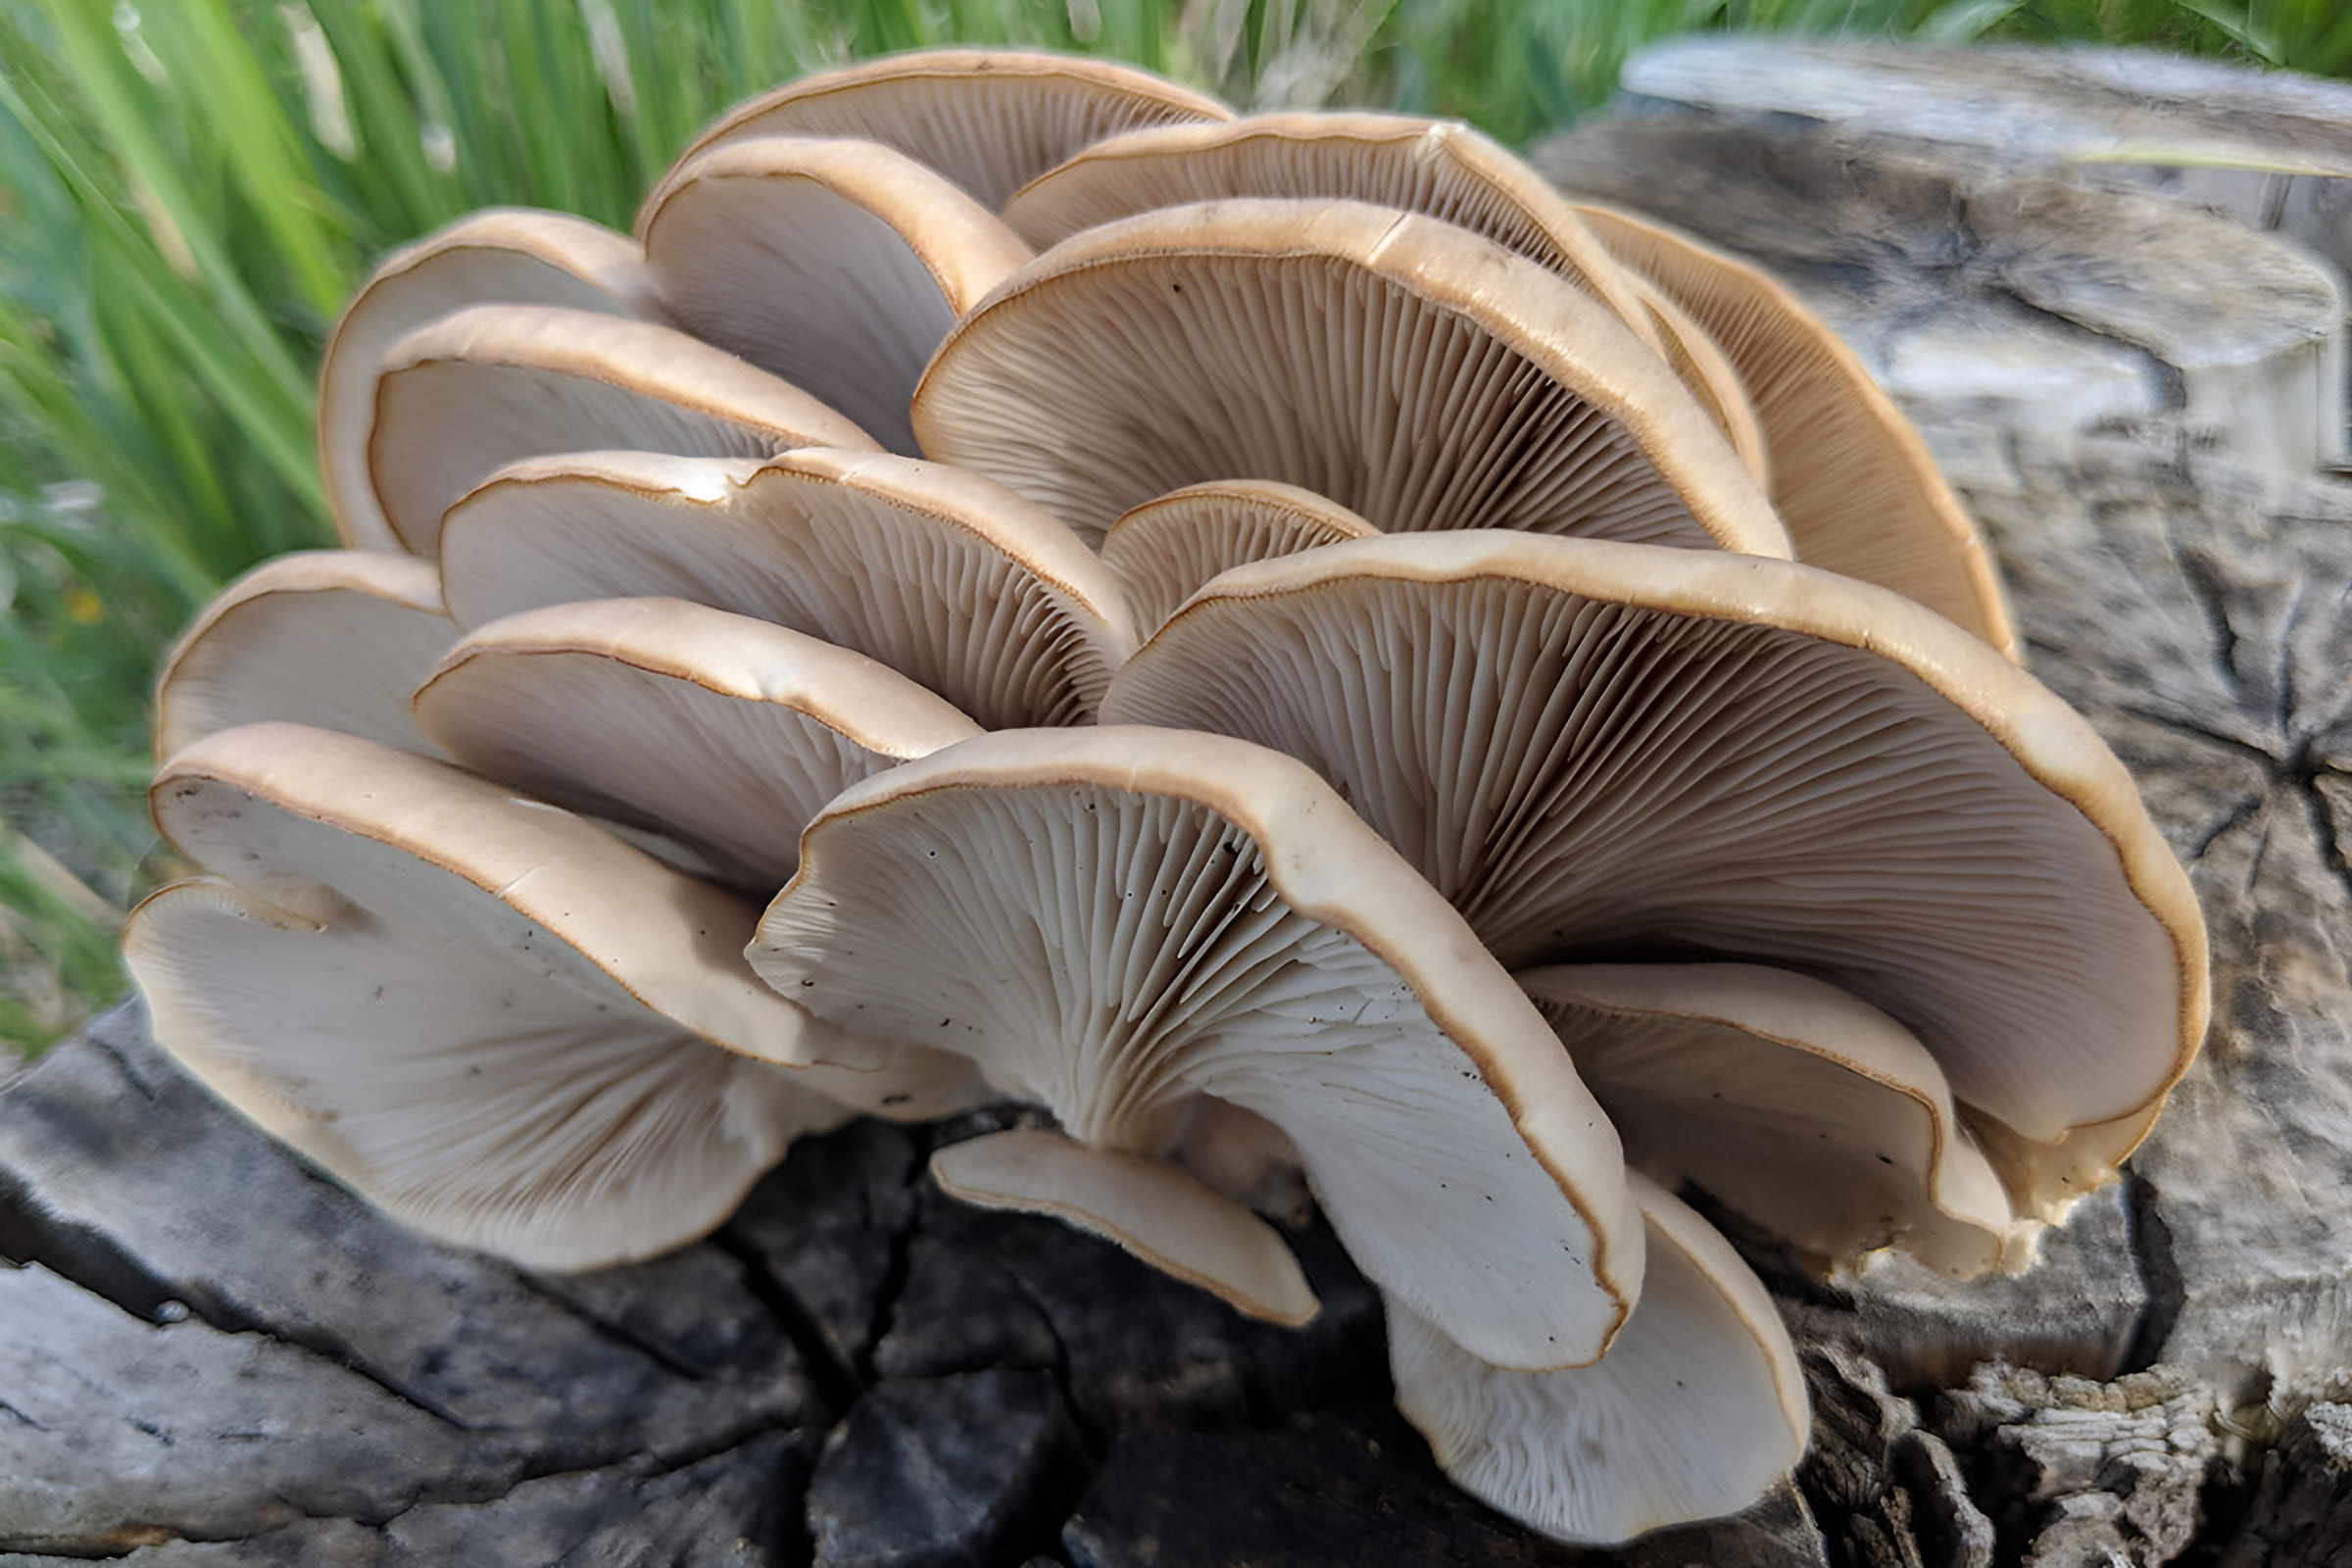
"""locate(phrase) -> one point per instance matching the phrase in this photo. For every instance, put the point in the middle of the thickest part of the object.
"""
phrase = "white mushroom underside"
(1164, 549)
(1111, 956)
(732, 777)
(941, 607)
(1798, 1107)
(443, 1065)
(1695, 1410)
(339, 656)
(1590, 781)
(808, 285)
(1171, 369)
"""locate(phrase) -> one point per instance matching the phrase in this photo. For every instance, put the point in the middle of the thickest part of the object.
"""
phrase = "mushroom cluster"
(1279, 641)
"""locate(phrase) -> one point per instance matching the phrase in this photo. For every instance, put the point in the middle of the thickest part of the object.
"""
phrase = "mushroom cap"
(1409, 369)
(1150, 1207)
(1601, 752)
(1851, 479)
(989, 119)
(836, 264)
(948, 578)
(1115, 921)
(1439, 167)
(1698, 1408)
(336, 638)
(476, 390)
(1164, 549)
(501, 255)
(1797, 1106)
(491, 1018)
(458, 1086)
(725, 733)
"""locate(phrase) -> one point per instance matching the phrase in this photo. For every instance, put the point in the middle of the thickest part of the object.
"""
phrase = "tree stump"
(210, 1354)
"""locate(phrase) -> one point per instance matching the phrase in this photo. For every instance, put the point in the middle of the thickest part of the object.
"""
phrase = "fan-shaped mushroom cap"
(989, 119)
(1165, 549)
(1704, 369)
(486, 387)
(337, 638)
(950, 579)
(1794, 1104)
(1603, 750)
(836, 264)
(725, 733)
(1852, 480)
(504, 255)
(1409, 369)
(480, 1010)
(1700, 1407)
(1113, 921)
(1153, 1209)
(1440, 168)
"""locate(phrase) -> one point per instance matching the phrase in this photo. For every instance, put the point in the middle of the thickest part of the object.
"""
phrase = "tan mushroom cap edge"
(1456, 175)
(585, 265)
(1353, 884)
(1576, 341)
(641, 359)
(1151, 1208)
(860, 100)
(582, 886)
(1704, 368)
(2052, 743)
(1768, 333)
(403, 586)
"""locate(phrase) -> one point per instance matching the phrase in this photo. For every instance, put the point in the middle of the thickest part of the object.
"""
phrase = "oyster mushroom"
(336, 638)
(504, 255)
(836, 264)
(1698, 1407)
(1116, 921)
(492, 384)
(716, 731)
(490, 1019)
(1412, 372)
(989, 119)
(1603, 751)
(1164, 549)
(952, 581)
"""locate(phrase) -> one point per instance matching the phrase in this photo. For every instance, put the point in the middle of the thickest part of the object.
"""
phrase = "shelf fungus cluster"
(1284, 641)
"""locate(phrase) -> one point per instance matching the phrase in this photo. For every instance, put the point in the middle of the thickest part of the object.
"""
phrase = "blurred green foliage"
(189, 189)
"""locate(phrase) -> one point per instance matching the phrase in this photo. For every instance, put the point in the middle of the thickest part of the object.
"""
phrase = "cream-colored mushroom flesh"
(1796, 1104)
(1114, 921)
(1605, 752)
(1440, 168)
(1148, 1207)
(1412, 372)
(1165, 549)
(1699, 1407)
(725, 733)
(989, 119)
(474, 391)
(336, 638)
(1852, 480)
(1708, 372)
(488, 1075)
(836, 264)
(504, 255)
(950, 579)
